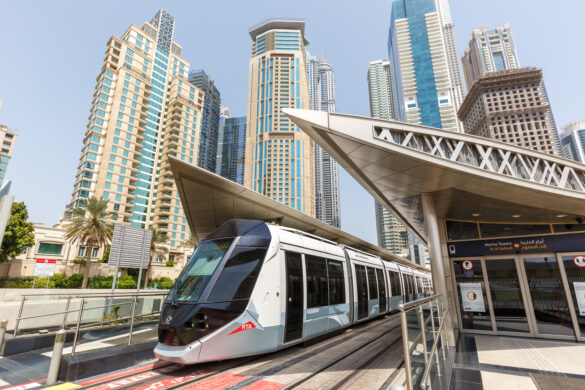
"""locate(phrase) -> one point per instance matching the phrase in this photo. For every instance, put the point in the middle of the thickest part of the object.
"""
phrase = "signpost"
(44, 267)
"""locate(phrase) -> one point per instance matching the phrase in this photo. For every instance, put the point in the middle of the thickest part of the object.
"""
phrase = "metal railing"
(107, 312)
(422, 323)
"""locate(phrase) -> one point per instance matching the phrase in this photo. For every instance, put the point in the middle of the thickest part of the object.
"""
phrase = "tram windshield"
(199, 270)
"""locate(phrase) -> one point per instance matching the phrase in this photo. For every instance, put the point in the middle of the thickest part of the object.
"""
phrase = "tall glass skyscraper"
(425, 75)
(207, 153)
(573, 141)
(279, 155)
(231, 151)
(392, 234)
(144, 109)
(322, 90)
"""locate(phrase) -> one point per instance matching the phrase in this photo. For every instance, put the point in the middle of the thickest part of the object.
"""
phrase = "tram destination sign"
(519, 245)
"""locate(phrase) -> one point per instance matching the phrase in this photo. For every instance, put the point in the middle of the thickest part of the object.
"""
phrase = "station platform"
(513, 363)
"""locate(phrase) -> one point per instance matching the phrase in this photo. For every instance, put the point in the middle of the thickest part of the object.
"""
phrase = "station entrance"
(528, 290)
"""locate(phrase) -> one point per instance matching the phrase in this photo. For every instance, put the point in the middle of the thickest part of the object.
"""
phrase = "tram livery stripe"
(107, 378)
(217, 382)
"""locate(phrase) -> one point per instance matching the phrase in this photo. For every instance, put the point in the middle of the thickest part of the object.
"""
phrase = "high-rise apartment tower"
(490, 50)
(322, 91)
(425, 76)
(279, 155)
(144, 109)
(392, 234)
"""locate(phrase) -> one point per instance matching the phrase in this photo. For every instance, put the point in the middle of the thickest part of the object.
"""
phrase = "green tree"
(157, 251)
(89, 227)
(19, 233)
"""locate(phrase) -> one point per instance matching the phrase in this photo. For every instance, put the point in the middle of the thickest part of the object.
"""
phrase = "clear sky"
(52, 51)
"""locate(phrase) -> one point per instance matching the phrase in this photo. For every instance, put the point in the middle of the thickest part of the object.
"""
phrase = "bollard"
(3, 325)
(56, 358)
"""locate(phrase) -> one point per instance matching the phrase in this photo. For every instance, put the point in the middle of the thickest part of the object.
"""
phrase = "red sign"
(467, 265)
(579, 261)
(246, 326)
(46, 261)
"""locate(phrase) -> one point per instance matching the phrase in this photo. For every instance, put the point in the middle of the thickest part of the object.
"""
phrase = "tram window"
(336, 282)
(239, 275)
(199, 270)
(372, 286)
(317, 294)
(394, 283)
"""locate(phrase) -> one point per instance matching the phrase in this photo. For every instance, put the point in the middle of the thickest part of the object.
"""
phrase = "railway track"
(336, 362)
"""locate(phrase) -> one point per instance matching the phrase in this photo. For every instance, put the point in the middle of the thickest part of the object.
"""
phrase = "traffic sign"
(579, 261)
(467, 265)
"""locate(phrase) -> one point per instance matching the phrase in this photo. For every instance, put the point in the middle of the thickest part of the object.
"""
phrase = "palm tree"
(157, 251)
(88, 226)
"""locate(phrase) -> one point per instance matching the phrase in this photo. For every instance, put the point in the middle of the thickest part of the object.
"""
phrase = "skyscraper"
(144, 109)
(511, 106)
(7, 138)
(232, 147)
(207, 153)
(392, 234)
(322, 91)
(490, 50)
(425, 75)
(573, 141)
(279, 155)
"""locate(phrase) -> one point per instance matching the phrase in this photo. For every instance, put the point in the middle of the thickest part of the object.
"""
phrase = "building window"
(46, 248)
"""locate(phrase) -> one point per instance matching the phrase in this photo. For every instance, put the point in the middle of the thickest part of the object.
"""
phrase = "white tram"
(251, 288)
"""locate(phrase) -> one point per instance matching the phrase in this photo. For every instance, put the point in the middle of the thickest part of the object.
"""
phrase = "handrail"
(418, 302)
(427, 370)
(408, 350)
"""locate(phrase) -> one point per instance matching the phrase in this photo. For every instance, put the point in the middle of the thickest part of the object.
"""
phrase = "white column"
(437, 268)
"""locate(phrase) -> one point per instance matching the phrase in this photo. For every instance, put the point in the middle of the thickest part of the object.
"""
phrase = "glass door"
(507, 298)
(548, 298)
(472, 298)
(573, 265)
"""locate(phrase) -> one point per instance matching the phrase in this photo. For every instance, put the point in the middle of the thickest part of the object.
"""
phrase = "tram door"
(293, 328)
(362, 291)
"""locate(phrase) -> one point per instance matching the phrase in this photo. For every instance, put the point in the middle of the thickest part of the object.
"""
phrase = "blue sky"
(51, 53)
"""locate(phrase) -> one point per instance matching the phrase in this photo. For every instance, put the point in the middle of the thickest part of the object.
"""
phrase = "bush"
(163, 283)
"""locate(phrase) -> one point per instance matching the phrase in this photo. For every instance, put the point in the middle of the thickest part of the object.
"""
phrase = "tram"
(252, 287)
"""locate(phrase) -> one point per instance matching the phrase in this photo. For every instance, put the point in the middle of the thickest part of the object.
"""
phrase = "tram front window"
(199, 270)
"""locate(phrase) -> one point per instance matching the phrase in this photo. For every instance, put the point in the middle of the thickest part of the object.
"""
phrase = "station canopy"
(470, 177)
(209, 200)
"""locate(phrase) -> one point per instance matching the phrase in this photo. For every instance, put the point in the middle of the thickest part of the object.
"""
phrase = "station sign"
(579, 261)
(520, 245)
(44, 267)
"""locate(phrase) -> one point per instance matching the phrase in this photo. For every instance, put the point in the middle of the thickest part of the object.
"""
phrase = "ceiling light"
(561, 215)
(516, 216)
(475, 215)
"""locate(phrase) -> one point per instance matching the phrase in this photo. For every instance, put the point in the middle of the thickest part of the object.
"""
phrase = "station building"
(505, 225)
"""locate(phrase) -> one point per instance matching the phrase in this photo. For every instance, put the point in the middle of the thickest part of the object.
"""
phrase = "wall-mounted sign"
(580, 294)
(472, 297)
(44, 267)
(579, 261)
(467, 265)
(520, 245)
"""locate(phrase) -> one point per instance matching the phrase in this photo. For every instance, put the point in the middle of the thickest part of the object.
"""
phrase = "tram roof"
(209, 200)
(471, 178)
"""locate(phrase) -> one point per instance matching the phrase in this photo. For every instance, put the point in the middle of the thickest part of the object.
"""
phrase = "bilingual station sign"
(44, 267)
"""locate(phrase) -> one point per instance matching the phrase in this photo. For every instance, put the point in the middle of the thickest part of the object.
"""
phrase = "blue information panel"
(520, 245)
